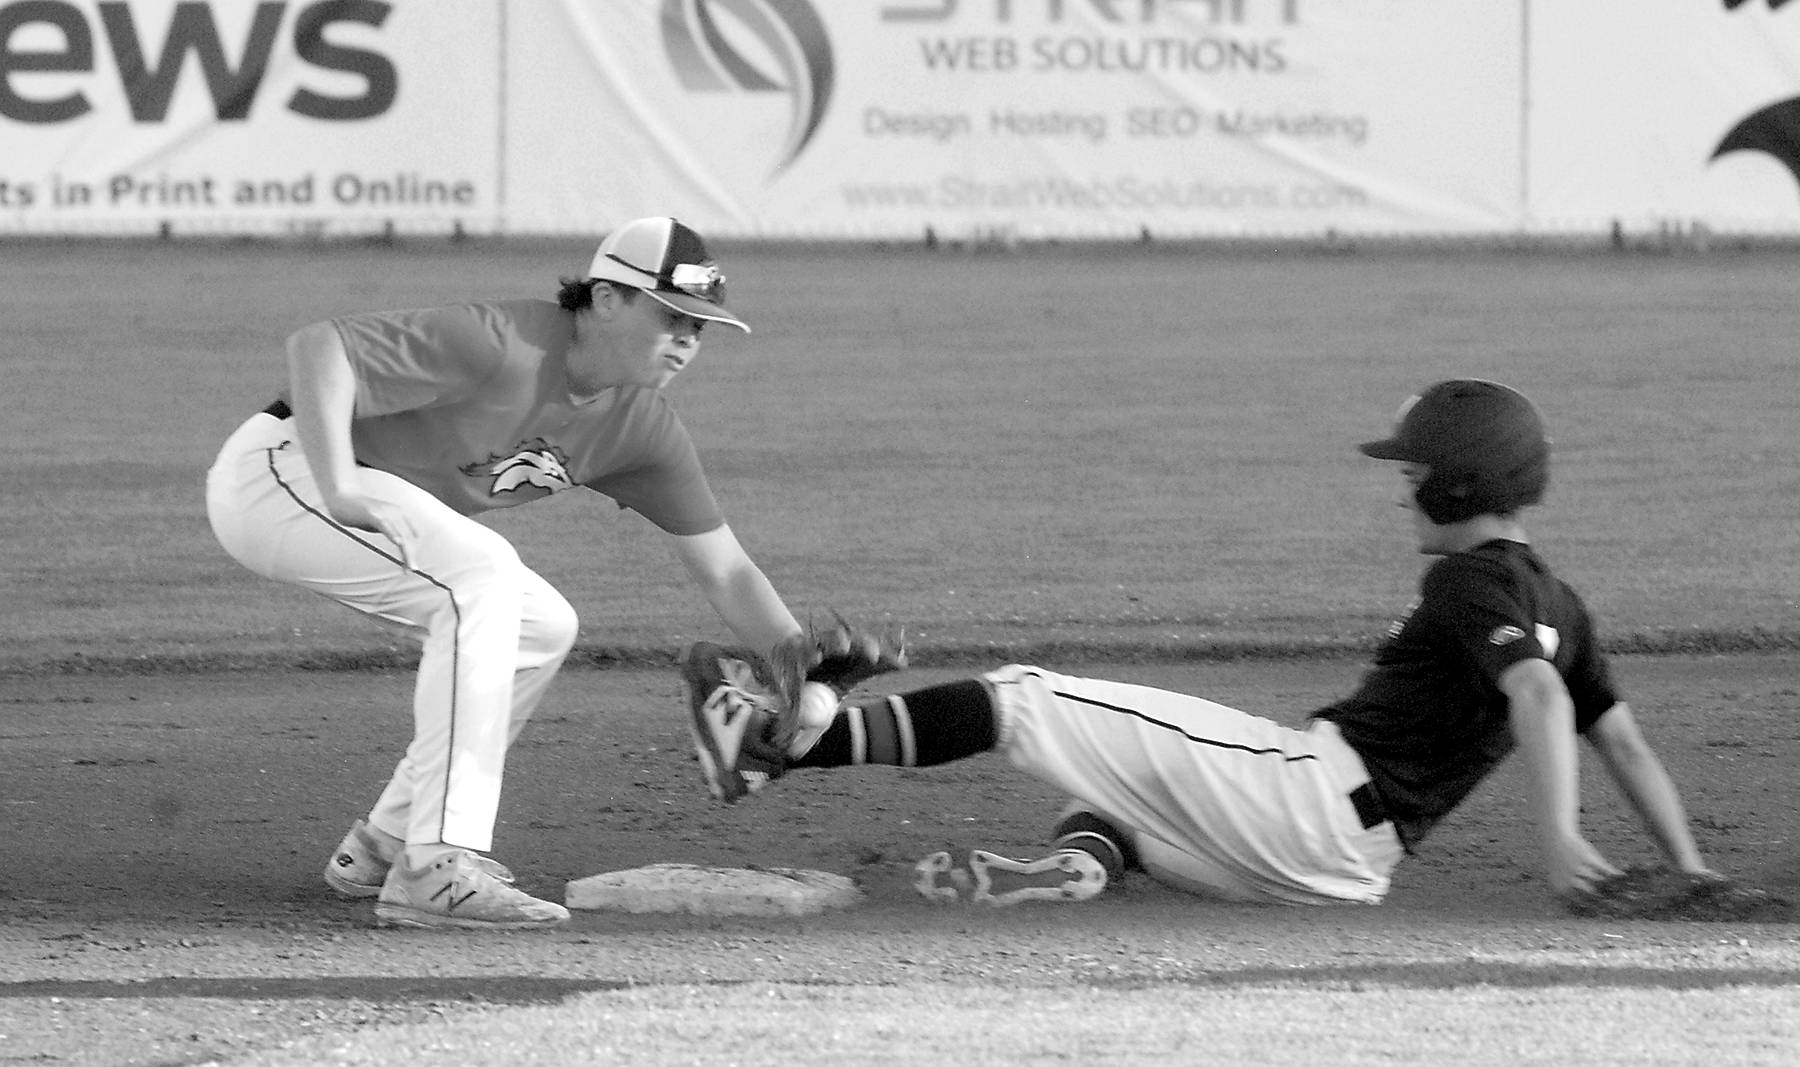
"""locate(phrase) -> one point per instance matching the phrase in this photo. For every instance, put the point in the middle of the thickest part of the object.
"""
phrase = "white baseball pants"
(1221, 803)
(493, 632)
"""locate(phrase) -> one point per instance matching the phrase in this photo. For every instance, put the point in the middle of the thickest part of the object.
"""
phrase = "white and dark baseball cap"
(667, 260)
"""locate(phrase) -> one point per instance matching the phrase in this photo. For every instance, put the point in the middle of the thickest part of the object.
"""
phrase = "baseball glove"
(1671, 895)
(848, 657)
(840, 655)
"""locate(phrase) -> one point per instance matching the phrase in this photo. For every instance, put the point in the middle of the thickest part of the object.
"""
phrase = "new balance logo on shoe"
(451, 900)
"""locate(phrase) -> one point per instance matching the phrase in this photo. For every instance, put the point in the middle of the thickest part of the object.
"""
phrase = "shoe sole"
(399, 915)
(709, 769)
(726, 784)
(938, 865)
(1062, 876)
(693, 678)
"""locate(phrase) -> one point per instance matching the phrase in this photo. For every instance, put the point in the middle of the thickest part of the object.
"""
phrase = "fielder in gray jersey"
(1496, 653)
(358, 482)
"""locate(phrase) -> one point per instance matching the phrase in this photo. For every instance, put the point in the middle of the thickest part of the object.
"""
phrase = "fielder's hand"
(361, 511)
(848, 656)
(840, 655)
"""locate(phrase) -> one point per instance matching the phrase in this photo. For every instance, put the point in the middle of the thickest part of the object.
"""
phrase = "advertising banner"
(247, 116)
(1032, 117)
(1665, 113)
(966, 119)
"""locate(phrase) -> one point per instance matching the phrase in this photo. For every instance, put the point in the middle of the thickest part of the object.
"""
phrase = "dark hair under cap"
(578, 293)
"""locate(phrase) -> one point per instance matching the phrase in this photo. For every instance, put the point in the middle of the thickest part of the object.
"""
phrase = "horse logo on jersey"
(536, 462)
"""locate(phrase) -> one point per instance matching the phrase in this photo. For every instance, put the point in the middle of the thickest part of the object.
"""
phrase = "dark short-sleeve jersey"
(1429, 718)
(472, 404)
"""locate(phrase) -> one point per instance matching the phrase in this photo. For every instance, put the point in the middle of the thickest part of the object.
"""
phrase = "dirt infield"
(164, 835)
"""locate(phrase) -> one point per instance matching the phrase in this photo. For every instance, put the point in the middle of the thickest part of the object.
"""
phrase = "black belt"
(279, 409)
(1368, 806)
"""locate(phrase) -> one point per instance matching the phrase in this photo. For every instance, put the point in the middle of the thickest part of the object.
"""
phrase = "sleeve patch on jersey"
(1548, 639)
(1505, 635)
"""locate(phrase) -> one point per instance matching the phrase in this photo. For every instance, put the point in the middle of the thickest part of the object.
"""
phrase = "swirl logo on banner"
(705, 61)
(1774, 129)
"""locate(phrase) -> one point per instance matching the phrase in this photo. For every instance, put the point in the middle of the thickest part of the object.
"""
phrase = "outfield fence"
(980, 121)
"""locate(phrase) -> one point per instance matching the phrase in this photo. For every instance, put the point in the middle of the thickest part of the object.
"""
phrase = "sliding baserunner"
(1496, 653)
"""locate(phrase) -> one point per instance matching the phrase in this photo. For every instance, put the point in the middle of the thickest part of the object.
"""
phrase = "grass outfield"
(1125, 451)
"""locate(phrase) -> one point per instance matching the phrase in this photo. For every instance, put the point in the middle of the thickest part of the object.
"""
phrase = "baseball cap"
(1452, 419)
(667, 260)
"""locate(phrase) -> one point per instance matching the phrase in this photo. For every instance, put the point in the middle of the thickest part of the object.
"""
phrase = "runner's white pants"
(1220, 803)
(494, 633)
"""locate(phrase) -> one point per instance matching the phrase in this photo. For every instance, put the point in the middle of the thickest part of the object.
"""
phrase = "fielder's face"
(638, 342)
(666, 340)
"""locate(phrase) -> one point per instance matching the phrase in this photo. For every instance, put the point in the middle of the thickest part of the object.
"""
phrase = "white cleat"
(1067, 874)
(458, 890)
(929, 870)
(728, 712)
(359, 867)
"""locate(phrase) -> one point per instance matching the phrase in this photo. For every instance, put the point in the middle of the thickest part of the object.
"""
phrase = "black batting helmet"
(1484, 443)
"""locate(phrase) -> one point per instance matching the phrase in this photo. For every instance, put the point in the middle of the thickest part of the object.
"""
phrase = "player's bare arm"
(1640, 775)
(324, 399)
(1543, 723)
(736, 588)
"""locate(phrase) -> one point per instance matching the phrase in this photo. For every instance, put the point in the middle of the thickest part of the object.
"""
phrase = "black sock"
(1111, 845)
(927, 726)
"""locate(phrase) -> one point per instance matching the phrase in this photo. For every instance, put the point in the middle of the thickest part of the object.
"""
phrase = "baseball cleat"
(360, 865)
(1066, 874)
(729, 713)
(459, 891)
(938, 865)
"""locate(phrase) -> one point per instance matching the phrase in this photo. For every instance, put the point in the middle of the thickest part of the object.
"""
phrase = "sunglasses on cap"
(698, 279)
(702, 280)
